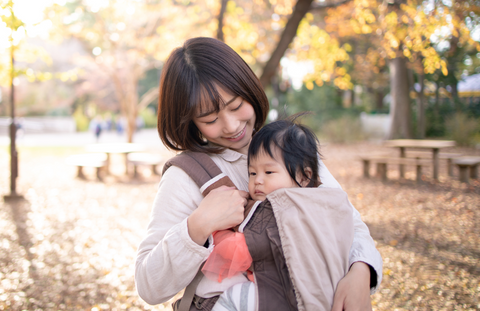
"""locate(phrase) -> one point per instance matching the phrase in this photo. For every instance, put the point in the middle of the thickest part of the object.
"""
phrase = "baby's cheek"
(251, 189)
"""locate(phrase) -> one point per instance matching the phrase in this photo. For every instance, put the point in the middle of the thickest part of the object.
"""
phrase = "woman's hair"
(188, 85)
(297, 144)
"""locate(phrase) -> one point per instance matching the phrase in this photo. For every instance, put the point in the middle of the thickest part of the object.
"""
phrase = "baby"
(283, 154)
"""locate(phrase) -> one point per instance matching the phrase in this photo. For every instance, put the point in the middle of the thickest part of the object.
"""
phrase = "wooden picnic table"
(115, 148)
(434, 145)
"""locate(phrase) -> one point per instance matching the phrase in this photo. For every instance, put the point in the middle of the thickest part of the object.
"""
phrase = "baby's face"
(266, 175)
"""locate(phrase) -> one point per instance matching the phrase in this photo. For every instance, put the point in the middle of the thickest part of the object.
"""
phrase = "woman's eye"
(238, 107)
(211, 122)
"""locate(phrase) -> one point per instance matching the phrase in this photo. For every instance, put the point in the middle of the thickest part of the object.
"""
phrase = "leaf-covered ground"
(70, 245)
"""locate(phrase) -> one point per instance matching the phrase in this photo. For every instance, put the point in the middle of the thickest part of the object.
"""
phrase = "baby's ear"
(304, 181)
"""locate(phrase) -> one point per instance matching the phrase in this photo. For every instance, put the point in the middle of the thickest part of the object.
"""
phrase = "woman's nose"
(231, 123)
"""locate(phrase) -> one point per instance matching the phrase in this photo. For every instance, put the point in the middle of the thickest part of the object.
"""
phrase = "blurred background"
(368, 69)
(79, 86)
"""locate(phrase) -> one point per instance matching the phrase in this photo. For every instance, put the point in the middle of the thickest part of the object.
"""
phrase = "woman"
(211, 102)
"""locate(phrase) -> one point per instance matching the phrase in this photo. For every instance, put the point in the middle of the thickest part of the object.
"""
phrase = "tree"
(125, 39)
(402, 33)
(16, 51)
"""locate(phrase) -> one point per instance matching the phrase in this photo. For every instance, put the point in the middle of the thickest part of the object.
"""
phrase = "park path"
(71, 244)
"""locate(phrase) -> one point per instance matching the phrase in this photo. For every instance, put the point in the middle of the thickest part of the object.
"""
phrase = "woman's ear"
(304, 181)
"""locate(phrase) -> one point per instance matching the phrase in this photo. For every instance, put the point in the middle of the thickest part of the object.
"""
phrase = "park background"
(369, 70)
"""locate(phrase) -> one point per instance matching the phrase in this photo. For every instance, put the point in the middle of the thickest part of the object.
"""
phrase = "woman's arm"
(181, 222)
(363, 249)
(168, 259)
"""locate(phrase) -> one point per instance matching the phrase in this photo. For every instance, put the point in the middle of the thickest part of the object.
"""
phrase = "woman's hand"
(353, 291)
(221, 209)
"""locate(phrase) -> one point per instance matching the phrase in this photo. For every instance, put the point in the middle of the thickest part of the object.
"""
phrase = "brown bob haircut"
(189, 82)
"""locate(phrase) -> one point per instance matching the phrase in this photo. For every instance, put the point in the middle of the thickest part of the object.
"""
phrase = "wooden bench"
(143, 158)
(96, 160)
(465, 164)
(368, 159)
(383, 161)
(449, 156)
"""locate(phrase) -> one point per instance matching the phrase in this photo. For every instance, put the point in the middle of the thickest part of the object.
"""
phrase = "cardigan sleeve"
(363, 247)
(167, 258)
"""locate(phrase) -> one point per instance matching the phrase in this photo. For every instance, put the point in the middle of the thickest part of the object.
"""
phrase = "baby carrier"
(299, 250)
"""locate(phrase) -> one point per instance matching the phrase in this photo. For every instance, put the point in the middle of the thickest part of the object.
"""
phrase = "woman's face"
(231, 127)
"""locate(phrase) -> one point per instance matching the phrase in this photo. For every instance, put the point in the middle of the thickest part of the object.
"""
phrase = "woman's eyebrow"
(231, 100)
(206, 113)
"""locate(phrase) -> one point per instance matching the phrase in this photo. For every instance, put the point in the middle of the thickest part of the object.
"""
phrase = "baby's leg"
(239, 297)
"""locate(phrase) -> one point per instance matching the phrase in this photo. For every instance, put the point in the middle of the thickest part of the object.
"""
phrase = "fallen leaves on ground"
(70, 245)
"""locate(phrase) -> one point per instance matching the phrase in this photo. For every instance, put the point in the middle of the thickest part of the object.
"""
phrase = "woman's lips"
(239, 136)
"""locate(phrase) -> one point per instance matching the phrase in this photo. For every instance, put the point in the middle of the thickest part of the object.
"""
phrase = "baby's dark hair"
(297, 143)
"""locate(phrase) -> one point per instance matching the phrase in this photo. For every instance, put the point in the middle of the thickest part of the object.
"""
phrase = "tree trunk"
(126, 93)
(400, 110)
(436, 109)
(223, 8)
(379, 100)
(290, 31)
(131, 108)
(421, 107)
(454, 56)
(457, 103)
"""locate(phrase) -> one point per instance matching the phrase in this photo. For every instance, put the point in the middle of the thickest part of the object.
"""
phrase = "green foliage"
(149, 117)
(149, 80)
(81, 120)
(473, 108)
(333, 122)
(59, 112)
(463, 129)
(325, 102)
(440, 118)
(435, 116)
(345, 129)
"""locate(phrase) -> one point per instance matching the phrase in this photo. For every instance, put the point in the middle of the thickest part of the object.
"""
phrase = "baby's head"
(283, 154)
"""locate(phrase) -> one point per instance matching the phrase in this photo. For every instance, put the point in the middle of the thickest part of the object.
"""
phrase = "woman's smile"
(238, 136)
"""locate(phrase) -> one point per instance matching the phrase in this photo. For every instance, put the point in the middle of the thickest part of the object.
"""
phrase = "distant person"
(108, 123)
(96, 125)
(19, 127)
(120, 125)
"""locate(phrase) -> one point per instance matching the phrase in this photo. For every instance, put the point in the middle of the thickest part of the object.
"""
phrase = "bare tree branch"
(289, 32)
(221, 15)
(147, 98)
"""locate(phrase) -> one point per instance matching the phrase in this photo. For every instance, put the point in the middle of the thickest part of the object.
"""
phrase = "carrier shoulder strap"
(208, 176)
(201, 168)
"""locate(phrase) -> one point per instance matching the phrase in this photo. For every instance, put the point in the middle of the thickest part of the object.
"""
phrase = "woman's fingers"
(244, 194)
(353, 291)
(221, 209)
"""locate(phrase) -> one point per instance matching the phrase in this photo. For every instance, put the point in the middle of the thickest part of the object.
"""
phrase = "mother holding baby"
(212, 102)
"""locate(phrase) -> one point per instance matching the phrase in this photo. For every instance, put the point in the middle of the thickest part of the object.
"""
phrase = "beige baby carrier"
(299, 240)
